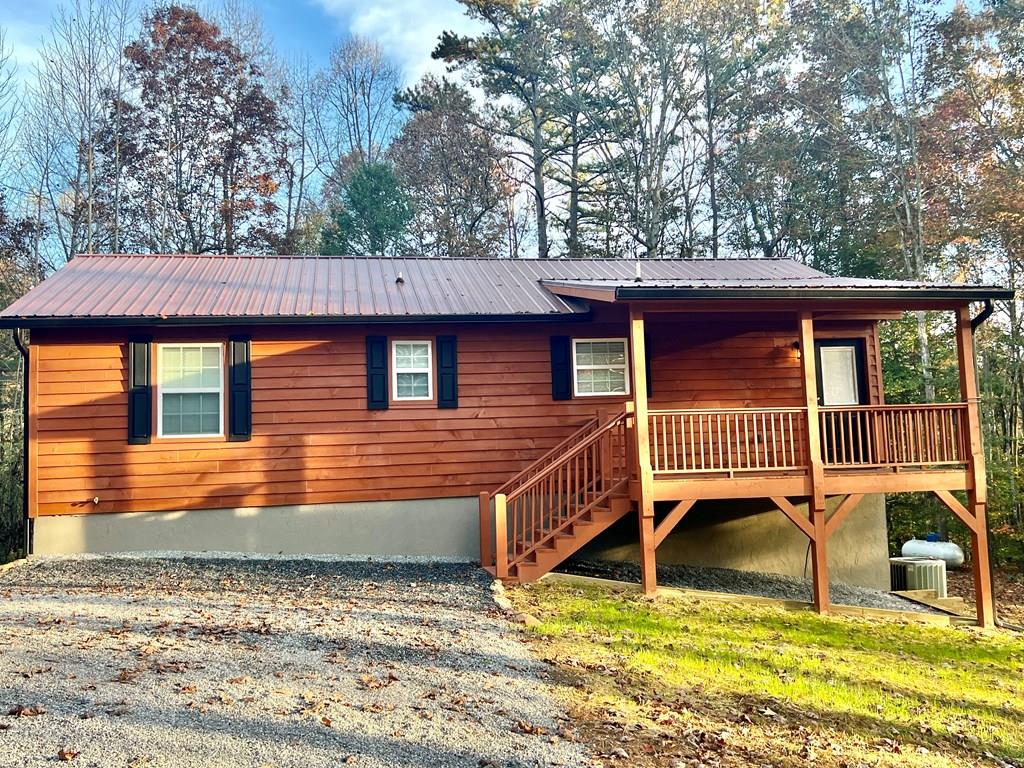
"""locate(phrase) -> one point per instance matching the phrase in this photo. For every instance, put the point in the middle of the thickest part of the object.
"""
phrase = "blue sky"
(407, 29)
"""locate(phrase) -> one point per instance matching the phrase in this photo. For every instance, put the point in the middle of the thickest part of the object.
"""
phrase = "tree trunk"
(574, 192)
(709, 109)
(538, 188)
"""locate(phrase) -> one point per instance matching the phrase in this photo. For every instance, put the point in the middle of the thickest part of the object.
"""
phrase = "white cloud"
(407, 29)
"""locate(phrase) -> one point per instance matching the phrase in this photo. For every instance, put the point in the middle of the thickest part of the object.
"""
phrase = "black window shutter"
(377, 373)
(447, 373)
(561, 368)
(647, 365)
(140, 396)
(239, 388)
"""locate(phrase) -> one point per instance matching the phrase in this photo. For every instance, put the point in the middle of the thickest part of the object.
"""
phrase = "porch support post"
(642, 446)
(816, 502)
(500, 537)
(977, 494)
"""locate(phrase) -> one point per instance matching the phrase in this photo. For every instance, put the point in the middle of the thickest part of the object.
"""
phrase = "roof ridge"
(588, 259)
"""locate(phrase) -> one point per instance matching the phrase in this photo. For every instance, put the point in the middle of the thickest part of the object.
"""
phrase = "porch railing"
(931, 435)
(728, 440)
(752, 440)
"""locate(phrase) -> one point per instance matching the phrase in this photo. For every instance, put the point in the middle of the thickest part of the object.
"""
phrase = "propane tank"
(939, 550)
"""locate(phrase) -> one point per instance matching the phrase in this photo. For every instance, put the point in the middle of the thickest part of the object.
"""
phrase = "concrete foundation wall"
(745, 535)
(754, 536)
(441, 528)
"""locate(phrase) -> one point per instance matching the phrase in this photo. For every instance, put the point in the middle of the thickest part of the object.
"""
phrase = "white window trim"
(429, 370)
(161, 390)
(576, 368)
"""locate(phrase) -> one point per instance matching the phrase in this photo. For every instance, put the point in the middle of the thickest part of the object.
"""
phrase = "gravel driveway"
(202, 662)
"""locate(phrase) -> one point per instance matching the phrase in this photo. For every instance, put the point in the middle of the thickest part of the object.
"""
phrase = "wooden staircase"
(562, 501)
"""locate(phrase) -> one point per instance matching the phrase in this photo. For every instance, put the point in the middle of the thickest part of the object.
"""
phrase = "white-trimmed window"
(412, 370)
(599, 367)
(190, 390)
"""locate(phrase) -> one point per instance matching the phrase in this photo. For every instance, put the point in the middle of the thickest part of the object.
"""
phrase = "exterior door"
(842, 382)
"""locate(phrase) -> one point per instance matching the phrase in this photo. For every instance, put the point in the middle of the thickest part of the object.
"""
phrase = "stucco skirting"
(437, 528)
(755, 536)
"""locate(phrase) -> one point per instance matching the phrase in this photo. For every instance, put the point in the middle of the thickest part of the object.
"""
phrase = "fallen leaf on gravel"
(535, 730)
(370, 681)
(66, 755)
(27, 673)
(86, 715)
(326, 721)
(23, 710)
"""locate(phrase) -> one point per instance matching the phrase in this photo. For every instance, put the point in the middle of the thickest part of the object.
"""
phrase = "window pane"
(211, 357)
(210, 423)
(170, 358)
(412, 385)
(190, 378)
(839, 376)
(172, 405)
(412, 356)
(171, 425)
(210, 377)
(191, 414)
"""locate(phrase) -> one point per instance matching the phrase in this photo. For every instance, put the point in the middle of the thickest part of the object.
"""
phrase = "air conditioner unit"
(907, 573)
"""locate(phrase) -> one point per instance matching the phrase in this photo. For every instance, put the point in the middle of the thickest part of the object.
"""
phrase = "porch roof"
(806, 287)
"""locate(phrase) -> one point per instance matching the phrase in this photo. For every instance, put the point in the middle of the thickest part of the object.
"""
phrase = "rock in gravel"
(208, 663)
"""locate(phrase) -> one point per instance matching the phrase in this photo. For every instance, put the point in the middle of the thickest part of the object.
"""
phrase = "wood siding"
(314, 440)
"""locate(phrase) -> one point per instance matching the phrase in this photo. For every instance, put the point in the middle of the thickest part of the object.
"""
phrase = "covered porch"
(805, 451)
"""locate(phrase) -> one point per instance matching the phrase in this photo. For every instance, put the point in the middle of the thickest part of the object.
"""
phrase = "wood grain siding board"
(313, 439)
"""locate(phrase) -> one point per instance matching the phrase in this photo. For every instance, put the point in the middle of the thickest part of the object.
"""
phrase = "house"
(515, 410)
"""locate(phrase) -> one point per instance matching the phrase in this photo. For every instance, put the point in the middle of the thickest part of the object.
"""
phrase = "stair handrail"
(538, 465)
(571, 448)
(568, 455)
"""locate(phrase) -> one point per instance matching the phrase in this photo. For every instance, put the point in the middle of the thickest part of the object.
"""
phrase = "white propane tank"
(939, 550)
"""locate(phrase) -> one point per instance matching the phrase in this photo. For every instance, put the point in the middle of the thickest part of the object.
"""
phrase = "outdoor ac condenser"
(918, 573)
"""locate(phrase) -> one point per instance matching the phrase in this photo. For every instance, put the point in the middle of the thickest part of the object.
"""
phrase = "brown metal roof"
(96, 289)
(816, 285)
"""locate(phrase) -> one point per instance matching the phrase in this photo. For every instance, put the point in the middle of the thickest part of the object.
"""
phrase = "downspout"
(976, 322)
(982, 316)
(19, 342)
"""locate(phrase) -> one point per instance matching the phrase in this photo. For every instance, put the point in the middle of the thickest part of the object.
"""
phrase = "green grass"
(878, 692)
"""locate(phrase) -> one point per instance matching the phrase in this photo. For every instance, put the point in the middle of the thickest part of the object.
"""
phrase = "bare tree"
(355, 115)
(9, 104)
(653, 87)
(298, 113)
(80, 74)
